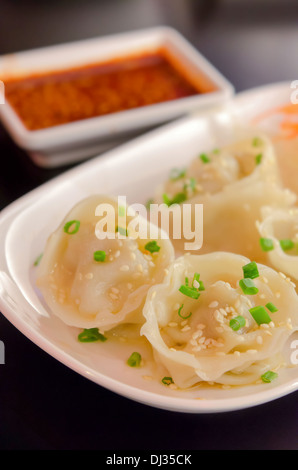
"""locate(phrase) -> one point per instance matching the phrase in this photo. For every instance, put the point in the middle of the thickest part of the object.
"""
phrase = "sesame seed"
(113, 296)
(213, 304)
(124, 267)
(117, 254)
(184, 322)
(282, 275)
(197, 334)
(172, 324)
(259, 340)
(147, 377)
(237, 353)
(277, 295)
(271, 324)
(252, 351)
(200, 326)
(115, 290)
(186, 328)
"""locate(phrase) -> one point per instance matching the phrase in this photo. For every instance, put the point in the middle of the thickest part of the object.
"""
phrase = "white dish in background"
(69, 143)
(133, 170)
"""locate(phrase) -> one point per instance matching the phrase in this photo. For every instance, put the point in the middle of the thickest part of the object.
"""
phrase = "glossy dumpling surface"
(92, 282)
(196, 332)
(232, 184)
(278, 232)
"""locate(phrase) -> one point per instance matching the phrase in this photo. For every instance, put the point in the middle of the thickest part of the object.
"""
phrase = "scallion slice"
(99, 256)
(190, 292)
(152, 246)
(269, 376)
(167, 380)
(177, 199)
(68, 227)
(248, 287)
(266, 244)
(181, 316)
(134, 359)
(257, 142)
(38, 260)
(204, 158)
(122, 231)
(260, 315)
(237, 323)
(89, 335)
(177, 174)
(271, 307)
(259, 158)
(250, 270)
(286, 244)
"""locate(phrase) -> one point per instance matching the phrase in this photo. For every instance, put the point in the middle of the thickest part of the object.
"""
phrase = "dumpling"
(210, 322)
(278, 233)
(89, 279)
(232, 184)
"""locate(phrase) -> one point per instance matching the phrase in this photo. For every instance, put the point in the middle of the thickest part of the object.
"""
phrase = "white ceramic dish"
(76, 141)
(132, 170)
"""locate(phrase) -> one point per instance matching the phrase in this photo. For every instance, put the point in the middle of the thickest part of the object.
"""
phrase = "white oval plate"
(133, 170)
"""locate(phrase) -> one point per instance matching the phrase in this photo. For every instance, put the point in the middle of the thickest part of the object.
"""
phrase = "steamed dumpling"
(204, 325)
(91, 280)
(232, 184)
(278, 233)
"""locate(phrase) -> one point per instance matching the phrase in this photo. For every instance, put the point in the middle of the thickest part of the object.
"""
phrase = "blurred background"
(252, 42)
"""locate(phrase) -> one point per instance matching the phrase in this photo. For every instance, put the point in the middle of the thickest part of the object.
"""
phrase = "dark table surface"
(43, 404)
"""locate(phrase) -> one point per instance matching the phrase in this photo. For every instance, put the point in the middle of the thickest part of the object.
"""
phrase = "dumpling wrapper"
(203, 347)
(86, 293)
(233, 185)
(278, 226)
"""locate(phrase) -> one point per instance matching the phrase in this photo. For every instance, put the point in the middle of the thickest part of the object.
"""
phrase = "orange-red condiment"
(60, 97)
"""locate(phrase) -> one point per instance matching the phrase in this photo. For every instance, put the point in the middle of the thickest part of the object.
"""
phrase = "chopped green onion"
(38, 259)
(271, 307)
(191, 185)
(68, 225)
(259, 158)
(260, 315)
(177, 174)
(152, 246)
(167, 380)
(186, 281)
(257, 142)
(134, 360)
(90, 335)
(190, 292)
(148, 203)
(179, 313)
(196, 277)
(201, 286)
(286, 244)
(248, 287)
(177, 199)
(250, 270)
(122, 231)
(196, 283)
(99, 255)
(121, 211)
(266, 244)
(204, 157)
(237, 323)
(269, 376)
